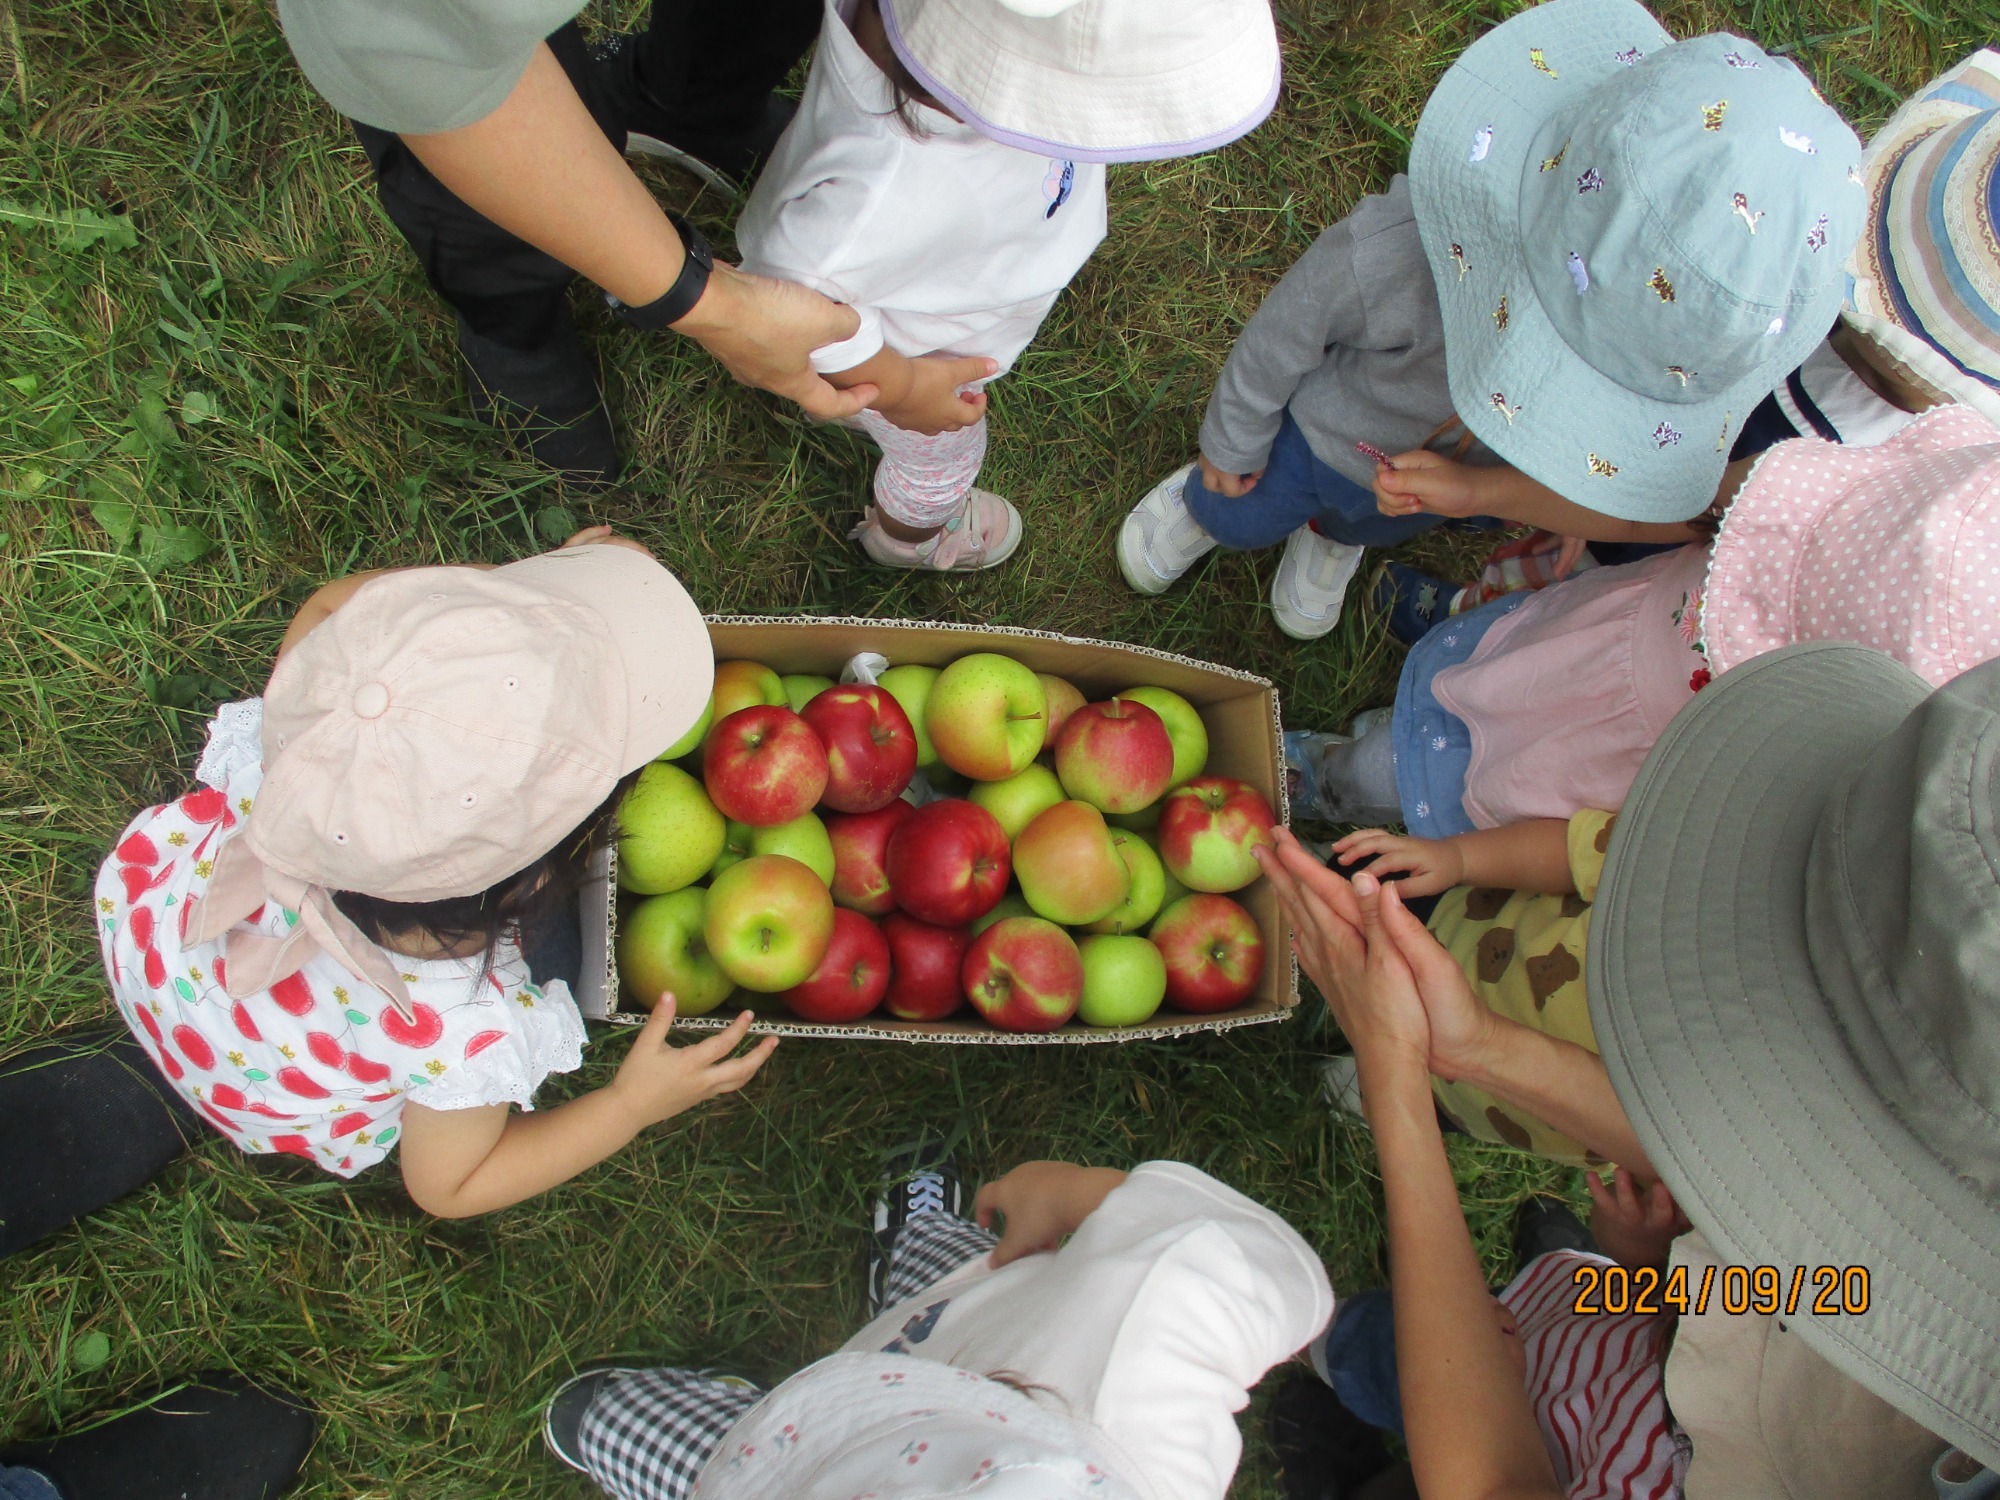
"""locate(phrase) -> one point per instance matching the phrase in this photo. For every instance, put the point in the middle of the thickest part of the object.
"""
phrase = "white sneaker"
(1160, 540)
(1312, 583)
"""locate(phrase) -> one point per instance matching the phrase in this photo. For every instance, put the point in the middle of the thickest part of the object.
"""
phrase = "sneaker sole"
(637, 144)
(548, 1410)
(1131, 552)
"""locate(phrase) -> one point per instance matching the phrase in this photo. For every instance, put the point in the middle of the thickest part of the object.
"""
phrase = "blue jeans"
(1298, 488)
(1358, 1359)
(26, 1484)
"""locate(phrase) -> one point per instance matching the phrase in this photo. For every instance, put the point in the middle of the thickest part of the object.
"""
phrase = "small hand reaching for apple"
(1040, 1202)
(658, 1080)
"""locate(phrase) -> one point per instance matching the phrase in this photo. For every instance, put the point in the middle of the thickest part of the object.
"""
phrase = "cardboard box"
(1240, 710)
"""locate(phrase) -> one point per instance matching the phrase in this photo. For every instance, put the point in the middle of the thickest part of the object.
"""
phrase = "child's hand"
(1427, 865)
(1423, 481)
(604, 536)
(1230, 486)
(1041, 1201)
(931, 401)
(658, 1080)
(1633, 1227)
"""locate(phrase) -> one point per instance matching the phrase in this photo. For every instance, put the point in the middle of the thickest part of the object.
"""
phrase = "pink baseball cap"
(444, 729)
(1894, 546)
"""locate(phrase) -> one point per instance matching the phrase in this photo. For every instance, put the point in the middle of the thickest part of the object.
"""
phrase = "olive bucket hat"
(1634, 239)
(1794, 980)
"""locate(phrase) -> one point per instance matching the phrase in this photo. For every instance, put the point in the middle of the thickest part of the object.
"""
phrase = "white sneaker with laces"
(1160, 539)
(1312, 583)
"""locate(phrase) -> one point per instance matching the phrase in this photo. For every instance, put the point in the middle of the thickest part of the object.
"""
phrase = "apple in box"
(1124, 980)
(1184, 727)
(948, 862)
(1070, 870)
(804, 839)
(1213, 951)
(1208, 829)
(871, 750)
(744, 684)
(764, 766)
(850, 978)
(1063, 698)
(861, 857)
(925, 963)
(768, 922)
(987, 716)
(1115, 755)
(802, 687)
(1018, 800)
(662, 949)
(910, 685)
(1148, 888)
(1024, 974)
(669, 832)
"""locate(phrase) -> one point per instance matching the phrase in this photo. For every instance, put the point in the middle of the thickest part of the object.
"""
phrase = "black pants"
(708, 64)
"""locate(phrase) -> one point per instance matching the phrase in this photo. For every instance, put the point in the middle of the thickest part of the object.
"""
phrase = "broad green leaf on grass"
(556, 524)
(412, 487)
(27, 385)
(91, 1351)
(74, 228)
(117, 516)
(150, 420)
(198, 406)
(171, 546)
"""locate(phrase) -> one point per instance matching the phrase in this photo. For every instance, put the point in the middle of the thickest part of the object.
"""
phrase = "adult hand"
(1231, 486)
(764, 332)
(1041, 1202)
(1424, 481)
(932, 401)
(1633, 1225)
(658, 1080)
(1427, 865)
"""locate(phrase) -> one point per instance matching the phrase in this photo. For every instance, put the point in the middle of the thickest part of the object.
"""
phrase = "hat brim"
(1726, 1057)
(1566, 423)
(657, 628)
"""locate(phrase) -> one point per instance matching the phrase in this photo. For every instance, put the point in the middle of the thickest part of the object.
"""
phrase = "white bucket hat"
(1095, 80)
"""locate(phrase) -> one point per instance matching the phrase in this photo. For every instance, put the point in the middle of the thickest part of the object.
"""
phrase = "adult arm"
(540, 167)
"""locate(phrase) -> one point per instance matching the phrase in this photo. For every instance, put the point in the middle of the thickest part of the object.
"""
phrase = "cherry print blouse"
(320, 1064)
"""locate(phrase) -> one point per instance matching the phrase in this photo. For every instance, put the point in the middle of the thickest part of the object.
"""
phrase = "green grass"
(226, 383)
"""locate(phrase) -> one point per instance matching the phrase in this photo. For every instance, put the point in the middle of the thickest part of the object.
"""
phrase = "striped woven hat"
(1926, 275)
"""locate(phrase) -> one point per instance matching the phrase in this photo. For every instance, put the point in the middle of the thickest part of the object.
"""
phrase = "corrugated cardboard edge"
(599, 893)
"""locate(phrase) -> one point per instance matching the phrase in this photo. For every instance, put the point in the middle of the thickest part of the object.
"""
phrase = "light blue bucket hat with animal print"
(1634, 239)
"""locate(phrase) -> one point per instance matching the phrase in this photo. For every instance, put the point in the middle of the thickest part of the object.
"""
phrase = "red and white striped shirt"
(1598, 1386)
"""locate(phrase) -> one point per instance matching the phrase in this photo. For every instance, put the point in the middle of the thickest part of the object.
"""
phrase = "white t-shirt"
(943, 242)
(1145, 1333)
(320, 1064)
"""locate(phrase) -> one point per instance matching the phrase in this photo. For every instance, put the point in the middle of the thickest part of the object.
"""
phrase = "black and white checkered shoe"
(920, 1180)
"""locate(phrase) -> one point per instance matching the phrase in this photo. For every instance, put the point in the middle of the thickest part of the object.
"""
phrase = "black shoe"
(1324, 1451)
(1413, 600)
(920, 1180)
(562, 1421)
(724, 154)
(82, 1123)
(1543, 1224)
(546, 397)
(219, 1437)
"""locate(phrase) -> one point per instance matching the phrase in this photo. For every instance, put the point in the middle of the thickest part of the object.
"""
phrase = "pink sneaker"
(983, 534)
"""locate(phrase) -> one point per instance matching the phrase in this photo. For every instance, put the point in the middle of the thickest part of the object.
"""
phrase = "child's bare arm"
(921, 394)
(1530, 856)
(1425, 481)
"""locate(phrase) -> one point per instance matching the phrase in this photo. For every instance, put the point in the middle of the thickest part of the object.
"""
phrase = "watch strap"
(679, 299)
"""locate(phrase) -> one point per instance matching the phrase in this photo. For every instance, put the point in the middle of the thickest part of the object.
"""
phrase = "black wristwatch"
(679, 299)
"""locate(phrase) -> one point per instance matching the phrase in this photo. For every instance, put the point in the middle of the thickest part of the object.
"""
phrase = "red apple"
(1024, 974)
(1115, 755)
(1214, 953)
(925, 963)
(861, 854)
(1064, 698)
(1071, 871)
(871, 750)
(948, 862)
(764, 766)
(1208, 828)
(850, 978)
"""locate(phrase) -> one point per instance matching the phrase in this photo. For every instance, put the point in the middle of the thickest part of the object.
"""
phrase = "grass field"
(225, 383)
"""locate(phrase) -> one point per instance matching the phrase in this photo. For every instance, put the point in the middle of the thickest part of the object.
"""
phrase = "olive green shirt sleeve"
(416, 67)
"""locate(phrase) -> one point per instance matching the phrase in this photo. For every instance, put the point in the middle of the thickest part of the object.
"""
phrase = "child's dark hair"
(525, 902)
(910, 95)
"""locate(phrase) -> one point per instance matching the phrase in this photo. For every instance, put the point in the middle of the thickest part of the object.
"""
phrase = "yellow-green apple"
(1148, 889)
(948, 862)
(1124, 980)
(1064, 698)
(804, 839)
(801, 688)
(1208, 829)
(663, 950)
(690, 742)
(1115, 755)
(1172, 890)
(850, 978)
(1069, 869)
(910, 685)
(669, 832)
(768, 922)
(987, 716)
(1184, 728)
(861, 857)
(1009, 905)
(1020, 798)
(745, 684)
(925, 961)
(1023, 974)
(871, 749)
(1213, 951)
(764, 766)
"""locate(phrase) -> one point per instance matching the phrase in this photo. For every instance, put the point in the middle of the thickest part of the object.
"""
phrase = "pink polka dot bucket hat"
(1895, 547)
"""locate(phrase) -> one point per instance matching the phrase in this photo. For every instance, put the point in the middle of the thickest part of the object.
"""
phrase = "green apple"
(804, 839)
(745, 684)
(1124, 980)
(987, 716)
(668, 831)
(662, 949)
(768, 922)
(1016, 801)
(910, 685)
(690, 742)
(1149, 885)
(1013, 904)
(802, 687)
(1172, 890)
(1185, 730)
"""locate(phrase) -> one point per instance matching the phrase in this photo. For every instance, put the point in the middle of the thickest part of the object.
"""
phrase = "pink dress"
(1565, 696)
